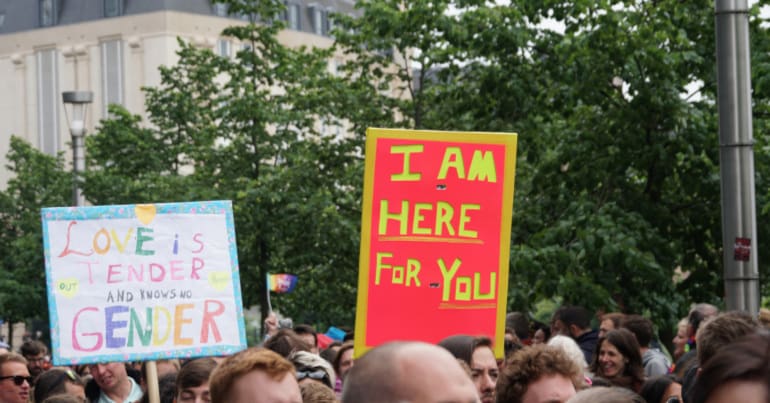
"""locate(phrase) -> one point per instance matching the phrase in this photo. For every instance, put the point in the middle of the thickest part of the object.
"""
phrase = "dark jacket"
(587, 343)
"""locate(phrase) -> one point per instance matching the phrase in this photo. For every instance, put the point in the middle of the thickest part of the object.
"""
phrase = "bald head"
(408, 372)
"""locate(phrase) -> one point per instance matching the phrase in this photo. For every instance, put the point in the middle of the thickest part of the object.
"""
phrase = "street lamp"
(75, 107)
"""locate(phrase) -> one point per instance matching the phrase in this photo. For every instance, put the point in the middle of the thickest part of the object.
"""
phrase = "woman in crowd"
(617, 359)
(661, 389)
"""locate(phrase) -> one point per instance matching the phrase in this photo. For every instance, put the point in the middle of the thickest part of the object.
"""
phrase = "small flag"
(281, 283)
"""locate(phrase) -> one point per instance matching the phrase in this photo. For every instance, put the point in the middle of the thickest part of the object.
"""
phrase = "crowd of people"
(717, 357)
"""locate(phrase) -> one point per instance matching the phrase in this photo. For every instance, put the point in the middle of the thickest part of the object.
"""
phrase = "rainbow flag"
(281, 283)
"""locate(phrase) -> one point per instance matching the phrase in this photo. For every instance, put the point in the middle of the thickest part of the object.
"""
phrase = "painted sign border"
(221, 207)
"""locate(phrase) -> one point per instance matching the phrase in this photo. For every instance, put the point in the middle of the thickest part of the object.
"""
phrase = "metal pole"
(78, 167)
(736, 155)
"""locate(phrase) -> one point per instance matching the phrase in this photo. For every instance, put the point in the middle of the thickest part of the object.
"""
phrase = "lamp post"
(75, 107)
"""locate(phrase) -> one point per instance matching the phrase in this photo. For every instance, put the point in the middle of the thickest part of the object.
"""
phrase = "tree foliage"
(617, 188)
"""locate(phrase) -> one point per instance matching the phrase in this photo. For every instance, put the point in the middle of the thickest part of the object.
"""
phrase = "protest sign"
(142, 282)
(435, 236)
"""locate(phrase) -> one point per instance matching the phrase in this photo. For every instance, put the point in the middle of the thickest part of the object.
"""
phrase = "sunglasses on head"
(317, 374)
(18, 380)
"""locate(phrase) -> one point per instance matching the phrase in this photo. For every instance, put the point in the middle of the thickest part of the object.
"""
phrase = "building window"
(113, 8)
(48, 100)
(112, 73)
(220, 9)
(224, 48)
(292, 16)
(319, 18)
(49, 11)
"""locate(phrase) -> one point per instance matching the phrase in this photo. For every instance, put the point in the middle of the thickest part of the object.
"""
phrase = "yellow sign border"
(509, 140)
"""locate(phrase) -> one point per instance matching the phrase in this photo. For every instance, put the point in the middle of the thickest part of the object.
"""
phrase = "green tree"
(39, 181)
(249, 129)
(617, 186)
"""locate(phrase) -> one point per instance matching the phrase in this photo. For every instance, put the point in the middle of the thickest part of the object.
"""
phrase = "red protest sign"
(435, 236)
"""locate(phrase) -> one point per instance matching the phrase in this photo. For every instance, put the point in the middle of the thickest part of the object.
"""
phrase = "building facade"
(112, 48)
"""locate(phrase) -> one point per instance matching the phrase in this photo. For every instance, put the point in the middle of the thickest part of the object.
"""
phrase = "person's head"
(255, 375)
(166, 389)
(478, 354)
(610, 321)
(617, 355)
(698, 314)
(571, 321)
(680, 340)
(604, 394)
(641, 327)
(192, 381)
(570, 348)
(541, 333)
(36, 354)
(58, 381)
(15, 381)
(63, 399)
(109, 376)
(660, 388)
(314, 392)
(330, 352)
(285, 342)
(519, 322)
(312, 368)
(738, 372)
(408, 371)
(164, 367)
(539, 373)
(343, 361)
(720, 331)
(308, 334)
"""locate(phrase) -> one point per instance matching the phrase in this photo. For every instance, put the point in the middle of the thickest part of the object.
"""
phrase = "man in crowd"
(575, 322)
(36, 354)
(111, 384)
(655, 363)
(714, 334)
(408, 371)
(309, 335)
(539, 373)
(478, 354)
(15, 382)
(255, 375)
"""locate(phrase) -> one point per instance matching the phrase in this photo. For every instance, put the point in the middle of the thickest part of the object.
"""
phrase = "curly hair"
(530, 364)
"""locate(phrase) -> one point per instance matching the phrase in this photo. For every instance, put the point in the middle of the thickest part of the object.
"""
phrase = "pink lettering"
(75, 343)
(68, 251)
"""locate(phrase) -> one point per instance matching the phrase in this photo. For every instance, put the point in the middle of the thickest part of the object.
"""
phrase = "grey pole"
(78, 101)
(736, 156)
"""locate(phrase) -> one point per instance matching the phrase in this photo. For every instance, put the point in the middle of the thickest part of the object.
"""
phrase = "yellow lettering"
(463, 288)
(453, 158)
(447, 276)
(121, 246)
(477, 287)
(419, 217)
(444, 214)
(381, 266)
(464, 219)
(157, 340)
(406, 174)
(402, 217)
(482, 167)
(412, 271)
